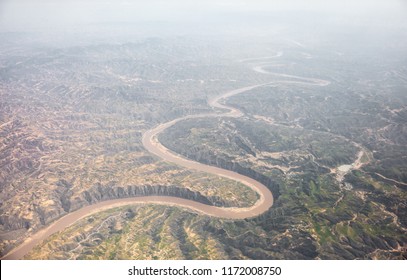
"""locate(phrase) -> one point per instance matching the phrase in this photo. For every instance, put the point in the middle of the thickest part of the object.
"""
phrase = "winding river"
(151, 143)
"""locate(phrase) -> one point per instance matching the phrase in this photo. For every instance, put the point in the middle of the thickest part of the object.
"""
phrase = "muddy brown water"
(151, 143)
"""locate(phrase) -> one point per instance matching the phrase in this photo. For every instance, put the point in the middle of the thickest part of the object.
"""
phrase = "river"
(151, 143)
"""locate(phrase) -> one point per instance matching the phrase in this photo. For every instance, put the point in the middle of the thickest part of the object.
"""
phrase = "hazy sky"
(26, 15)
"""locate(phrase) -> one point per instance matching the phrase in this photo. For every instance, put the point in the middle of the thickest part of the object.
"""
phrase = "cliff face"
(66, 203)
(209, 158)
(100, 193)
(238, 168)
(19, 228)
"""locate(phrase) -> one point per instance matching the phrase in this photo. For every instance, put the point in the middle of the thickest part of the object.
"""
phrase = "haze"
(293, 113)
(47, 15)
